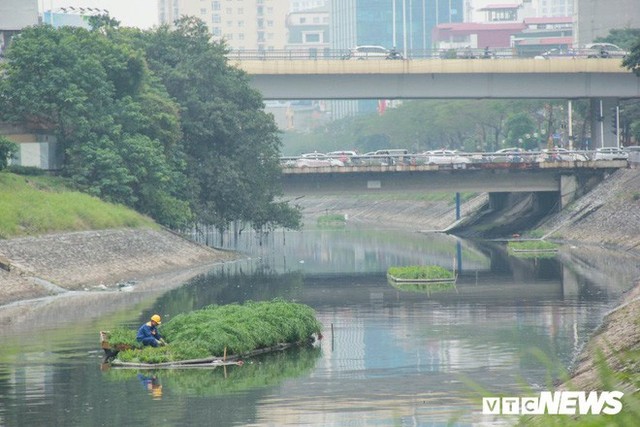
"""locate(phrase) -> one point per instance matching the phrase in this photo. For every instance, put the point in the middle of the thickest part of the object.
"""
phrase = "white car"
(511, 154)
(445, 157)
(368, 52)
(317, 160)
(611, 153)
(346, 157)
(604, 50)
(560, 154)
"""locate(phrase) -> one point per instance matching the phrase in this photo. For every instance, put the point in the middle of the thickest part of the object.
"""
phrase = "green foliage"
(26, 170)
(536, 234)
(156, 120)
(117, 127)
(331, 219)
(625, 38)
(40, 204)
(533, 249)
(236, 328)
(533, 245)
(632, 61)
(420, 272)
(520, 127)
(231, 145)
(7, 150)
(420, 125)
(123, 336)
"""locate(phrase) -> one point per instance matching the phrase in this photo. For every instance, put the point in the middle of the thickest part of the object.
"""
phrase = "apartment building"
(515, 10)
(15, 15)
(243, 24)
(594, 18)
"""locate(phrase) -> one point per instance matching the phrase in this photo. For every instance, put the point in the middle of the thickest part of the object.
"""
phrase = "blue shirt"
(148, 331)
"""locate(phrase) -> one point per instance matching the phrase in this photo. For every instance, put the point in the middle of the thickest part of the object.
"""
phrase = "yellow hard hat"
(156, 392)
(156, 318)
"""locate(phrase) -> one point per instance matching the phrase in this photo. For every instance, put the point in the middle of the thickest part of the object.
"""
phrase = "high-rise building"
(481, 10)
(243, 24)
(594, 18)
(405, 24)
(14, 16)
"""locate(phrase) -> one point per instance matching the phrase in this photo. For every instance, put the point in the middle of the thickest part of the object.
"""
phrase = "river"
(412, 355)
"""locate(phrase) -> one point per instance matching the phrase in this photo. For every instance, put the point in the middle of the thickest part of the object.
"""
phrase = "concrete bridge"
(603, 80)
(442, 78)
(568, 179)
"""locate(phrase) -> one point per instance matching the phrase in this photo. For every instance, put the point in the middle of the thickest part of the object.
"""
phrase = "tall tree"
(118, 130)
(232, 145)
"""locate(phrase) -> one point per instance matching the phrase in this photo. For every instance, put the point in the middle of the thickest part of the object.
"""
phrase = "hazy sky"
(130, 13)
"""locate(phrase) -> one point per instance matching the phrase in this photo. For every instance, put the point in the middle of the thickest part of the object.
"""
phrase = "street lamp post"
(404, 27)
(393, 23)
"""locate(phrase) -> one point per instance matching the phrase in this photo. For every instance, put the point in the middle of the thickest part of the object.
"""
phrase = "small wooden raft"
(550, 250)
(211, 362)
(443, 280)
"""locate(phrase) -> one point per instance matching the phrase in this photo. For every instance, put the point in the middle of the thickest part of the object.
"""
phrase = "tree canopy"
(156, 120)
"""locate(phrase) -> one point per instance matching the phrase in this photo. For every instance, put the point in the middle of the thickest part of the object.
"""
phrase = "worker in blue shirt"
(148, 333)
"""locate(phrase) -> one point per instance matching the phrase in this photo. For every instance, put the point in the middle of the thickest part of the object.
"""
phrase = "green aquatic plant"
(533, 245)
(420, 272)
(230, 329)
(532, 249)
(332, 219)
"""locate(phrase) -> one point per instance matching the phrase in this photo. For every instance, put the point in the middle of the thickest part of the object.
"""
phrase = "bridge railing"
(293, 54)
(459, 159)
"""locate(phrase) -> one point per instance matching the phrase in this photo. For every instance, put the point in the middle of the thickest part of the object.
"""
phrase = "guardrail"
(460, 159)
(464, 53)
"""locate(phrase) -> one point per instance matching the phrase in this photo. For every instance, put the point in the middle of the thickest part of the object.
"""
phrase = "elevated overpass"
(602, 80)
(567, 179)
(441, 78)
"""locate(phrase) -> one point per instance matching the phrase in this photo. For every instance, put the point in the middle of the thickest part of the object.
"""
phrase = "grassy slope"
(34, 205)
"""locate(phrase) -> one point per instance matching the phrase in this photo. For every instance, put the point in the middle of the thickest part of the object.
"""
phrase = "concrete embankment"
(608, 216)
(56, 263)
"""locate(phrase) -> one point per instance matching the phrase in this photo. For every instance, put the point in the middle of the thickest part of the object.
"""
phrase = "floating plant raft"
(420, 274)
(532, 247)
(216, 335)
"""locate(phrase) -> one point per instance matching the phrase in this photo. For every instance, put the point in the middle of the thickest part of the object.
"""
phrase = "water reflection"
(259, 372)
(389, 356)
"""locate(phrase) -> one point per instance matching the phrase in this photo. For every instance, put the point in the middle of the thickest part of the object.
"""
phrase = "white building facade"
(243, 24)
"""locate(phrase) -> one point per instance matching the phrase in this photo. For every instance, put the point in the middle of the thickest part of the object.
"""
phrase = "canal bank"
(608, 216)
(101, 260)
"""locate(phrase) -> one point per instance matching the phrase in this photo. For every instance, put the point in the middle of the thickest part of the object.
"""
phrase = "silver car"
(604, 50)
(611, 153)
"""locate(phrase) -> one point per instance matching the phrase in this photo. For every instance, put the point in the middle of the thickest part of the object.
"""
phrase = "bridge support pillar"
(603, 123)
(568, 189)
(497, 201)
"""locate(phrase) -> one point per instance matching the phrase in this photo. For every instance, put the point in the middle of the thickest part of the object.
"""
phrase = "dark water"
(411, 356)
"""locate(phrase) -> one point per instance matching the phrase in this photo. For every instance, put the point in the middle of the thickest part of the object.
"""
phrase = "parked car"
(316, 160)
(445, 157)
(558, 53)
(610, 153)
(346, 157)
(511, 154)
(559, 154)
(604, 50)
(368, 52)
(391, 156)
